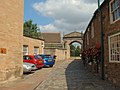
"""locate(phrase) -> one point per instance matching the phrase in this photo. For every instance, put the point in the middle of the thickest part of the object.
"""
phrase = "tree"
(31, 30)
(77, 51)
(72, 50)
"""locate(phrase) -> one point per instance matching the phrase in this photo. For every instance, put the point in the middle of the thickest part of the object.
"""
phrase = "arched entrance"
(75, 49)
(71, 38)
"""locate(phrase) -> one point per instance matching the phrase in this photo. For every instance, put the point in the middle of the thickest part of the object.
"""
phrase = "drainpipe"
(102, 41)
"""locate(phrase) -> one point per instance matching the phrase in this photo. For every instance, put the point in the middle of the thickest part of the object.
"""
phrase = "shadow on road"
(72, 74)
(78, 78)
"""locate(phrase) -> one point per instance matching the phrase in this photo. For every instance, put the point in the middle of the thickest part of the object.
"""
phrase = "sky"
(62, 16)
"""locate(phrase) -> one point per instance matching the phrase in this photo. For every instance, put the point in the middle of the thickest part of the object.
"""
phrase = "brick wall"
(11, 32)
(112, 70)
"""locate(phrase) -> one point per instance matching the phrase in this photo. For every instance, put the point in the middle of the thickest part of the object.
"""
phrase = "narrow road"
(65, 75)
(71, 75)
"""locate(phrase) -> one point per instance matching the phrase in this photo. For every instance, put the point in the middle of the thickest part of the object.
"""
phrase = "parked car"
(34, 59)
(33, 66)
(48, 60)
(28, 67)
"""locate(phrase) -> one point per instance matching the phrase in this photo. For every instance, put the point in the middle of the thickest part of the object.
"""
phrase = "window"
(114, 48)
(115, 10)
(25, 49)
(37, 57)
(36, 50)
(27, 58)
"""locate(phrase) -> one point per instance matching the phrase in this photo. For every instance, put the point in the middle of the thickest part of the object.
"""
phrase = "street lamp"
(102, 41)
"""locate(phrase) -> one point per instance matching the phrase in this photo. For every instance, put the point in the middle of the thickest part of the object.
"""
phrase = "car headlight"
(27, 67)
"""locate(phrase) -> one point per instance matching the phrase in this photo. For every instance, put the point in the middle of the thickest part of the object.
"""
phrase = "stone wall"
(49, 51)
(60, 53)
(11, 33)
(31, 43)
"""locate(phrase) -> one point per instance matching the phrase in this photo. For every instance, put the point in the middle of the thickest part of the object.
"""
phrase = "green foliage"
(77, 51)
(74, 51)
(31, 30)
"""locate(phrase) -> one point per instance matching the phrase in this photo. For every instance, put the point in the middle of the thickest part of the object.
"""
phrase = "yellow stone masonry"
(11, 33)
(31, 43)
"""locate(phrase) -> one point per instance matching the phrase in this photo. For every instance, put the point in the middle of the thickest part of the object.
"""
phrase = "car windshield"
(27, 58)
(41, 56)
(45, 56)
(37, 57)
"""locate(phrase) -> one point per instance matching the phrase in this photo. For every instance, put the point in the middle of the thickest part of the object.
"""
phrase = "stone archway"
(70, 38)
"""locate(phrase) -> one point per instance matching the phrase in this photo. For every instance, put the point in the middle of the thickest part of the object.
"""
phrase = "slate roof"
(52, 37)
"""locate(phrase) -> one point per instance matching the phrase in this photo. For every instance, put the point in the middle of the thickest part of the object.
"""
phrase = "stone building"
(11, 34)
(111, 35)
(32, 46)
(54, 46)
(52, 40)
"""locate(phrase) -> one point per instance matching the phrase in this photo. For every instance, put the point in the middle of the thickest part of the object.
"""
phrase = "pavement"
(29, 81)
(65, 75)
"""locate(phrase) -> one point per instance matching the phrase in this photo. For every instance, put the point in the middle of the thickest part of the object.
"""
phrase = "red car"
(34, 59)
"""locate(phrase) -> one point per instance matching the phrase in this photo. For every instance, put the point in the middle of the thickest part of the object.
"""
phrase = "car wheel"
(51, 65)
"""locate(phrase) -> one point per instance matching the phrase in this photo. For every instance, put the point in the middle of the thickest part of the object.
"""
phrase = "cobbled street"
(71, 75)
(65, 75)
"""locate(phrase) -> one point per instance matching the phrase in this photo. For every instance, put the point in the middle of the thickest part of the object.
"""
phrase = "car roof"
(45, 54)
(28, 55)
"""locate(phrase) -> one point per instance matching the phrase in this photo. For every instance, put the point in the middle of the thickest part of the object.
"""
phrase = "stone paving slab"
(71, 75)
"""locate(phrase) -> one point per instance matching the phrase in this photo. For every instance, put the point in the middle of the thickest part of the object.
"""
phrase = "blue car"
(48, 60)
